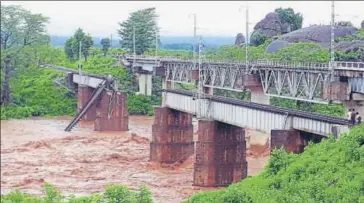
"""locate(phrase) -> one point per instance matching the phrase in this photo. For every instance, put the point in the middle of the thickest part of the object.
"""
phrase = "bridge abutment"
(220, 154)
(290, 140)
(111, 112)
(172, 136)
(83, 95)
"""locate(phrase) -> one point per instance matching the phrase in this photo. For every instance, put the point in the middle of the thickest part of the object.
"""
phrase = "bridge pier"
(172, 136)
(83, 95)
(112, 113)
(253, 83)
(145, 84)
(220, 154)
(290, 140)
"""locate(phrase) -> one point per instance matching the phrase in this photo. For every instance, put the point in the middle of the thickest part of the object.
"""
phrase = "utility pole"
(79, 59)
(156, 44)
(246, 38)
(194, 35)
(246, 35)
(134, 44)
(332, 52)
(200, 80)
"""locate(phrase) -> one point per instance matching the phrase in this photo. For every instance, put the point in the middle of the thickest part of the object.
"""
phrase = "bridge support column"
(83, 95)
(112, 112)
(145, 84)
(290, 140)
(253, 83)
(172, 136)
(337, 91)
(220, 154)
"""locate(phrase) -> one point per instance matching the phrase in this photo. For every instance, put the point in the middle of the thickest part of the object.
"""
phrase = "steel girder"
(296, 84)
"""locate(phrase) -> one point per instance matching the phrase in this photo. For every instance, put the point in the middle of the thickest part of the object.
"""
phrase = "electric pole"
(79, 59)
(134, 44)
(332, 52)
(156, 45)
(246, 39)
(200, 79)
(194, 35)
(246, 36)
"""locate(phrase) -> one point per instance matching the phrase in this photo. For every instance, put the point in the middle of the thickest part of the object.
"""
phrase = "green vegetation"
(330, 172)
(359, 35)
(142, 26)
(288, 16)
(112, 194)
(34, 94)
(106, 43)
(78, 42)
(21, 32)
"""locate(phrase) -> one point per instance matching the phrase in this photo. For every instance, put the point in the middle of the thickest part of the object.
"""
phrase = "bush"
(34, 94)
(331, 171)
(112, 194)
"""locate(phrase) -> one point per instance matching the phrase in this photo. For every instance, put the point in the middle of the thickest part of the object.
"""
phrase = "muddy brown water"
(37, 150)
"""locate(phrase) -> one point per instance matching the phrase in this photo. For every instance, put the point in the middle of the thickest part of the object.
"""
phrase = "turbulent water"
(37, 150)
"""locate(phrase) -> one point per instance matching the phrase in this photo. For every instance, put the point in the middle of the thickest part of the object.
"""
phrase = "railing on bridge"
(299, 81)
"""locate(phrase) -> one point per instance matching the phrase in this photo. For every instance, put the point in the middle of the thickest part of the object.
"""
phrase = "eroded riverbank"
(37, 150)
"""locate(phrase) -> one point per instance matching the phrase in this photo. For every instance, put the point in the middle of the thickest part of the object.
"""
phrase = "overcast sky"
(100, 18)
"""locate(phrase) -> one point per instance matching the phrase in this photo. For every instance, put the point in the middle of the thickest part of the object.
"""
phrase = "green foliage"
(289, 16)
(257, 38)
(72, 46)
(112, 194)
(359, 35)
(330, 172)
(335, 110)
(143, 24)
(171, 53)
(34, 94)
(106, 43)
(21, 31)
(344, 23)
(302, 52)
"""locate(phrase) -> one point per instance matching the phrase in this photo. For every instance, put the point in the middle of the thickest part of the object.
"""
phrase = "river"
(37, 150)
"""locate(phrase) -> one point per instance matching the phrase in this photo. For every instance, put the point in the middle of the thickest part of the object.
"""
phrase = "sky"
(214, 18)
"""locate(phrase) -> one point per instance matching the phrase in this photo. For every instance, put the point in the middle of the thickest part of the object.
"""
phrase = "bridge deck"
(251, 115)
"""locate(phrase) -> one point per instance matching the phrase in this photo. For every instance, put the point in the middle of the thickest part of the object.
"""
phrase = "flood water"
(37, 150)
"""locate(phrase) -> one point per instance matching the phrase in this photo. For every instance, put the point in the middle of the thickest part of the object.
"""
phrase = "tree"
(21, 33)
(257, 38)
(344, 23)
(105, 42)
(68, 48)
(289, 16)
(72, 46)
(143, 23)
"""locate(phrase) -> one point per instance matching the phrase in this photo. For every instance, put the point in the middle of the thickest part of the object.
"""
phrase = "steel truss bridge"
(299, 81)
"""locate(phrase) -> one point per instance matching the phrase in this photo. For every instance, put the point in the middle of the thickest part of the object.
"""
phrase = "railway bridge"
(221, 147)
(339, 82)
